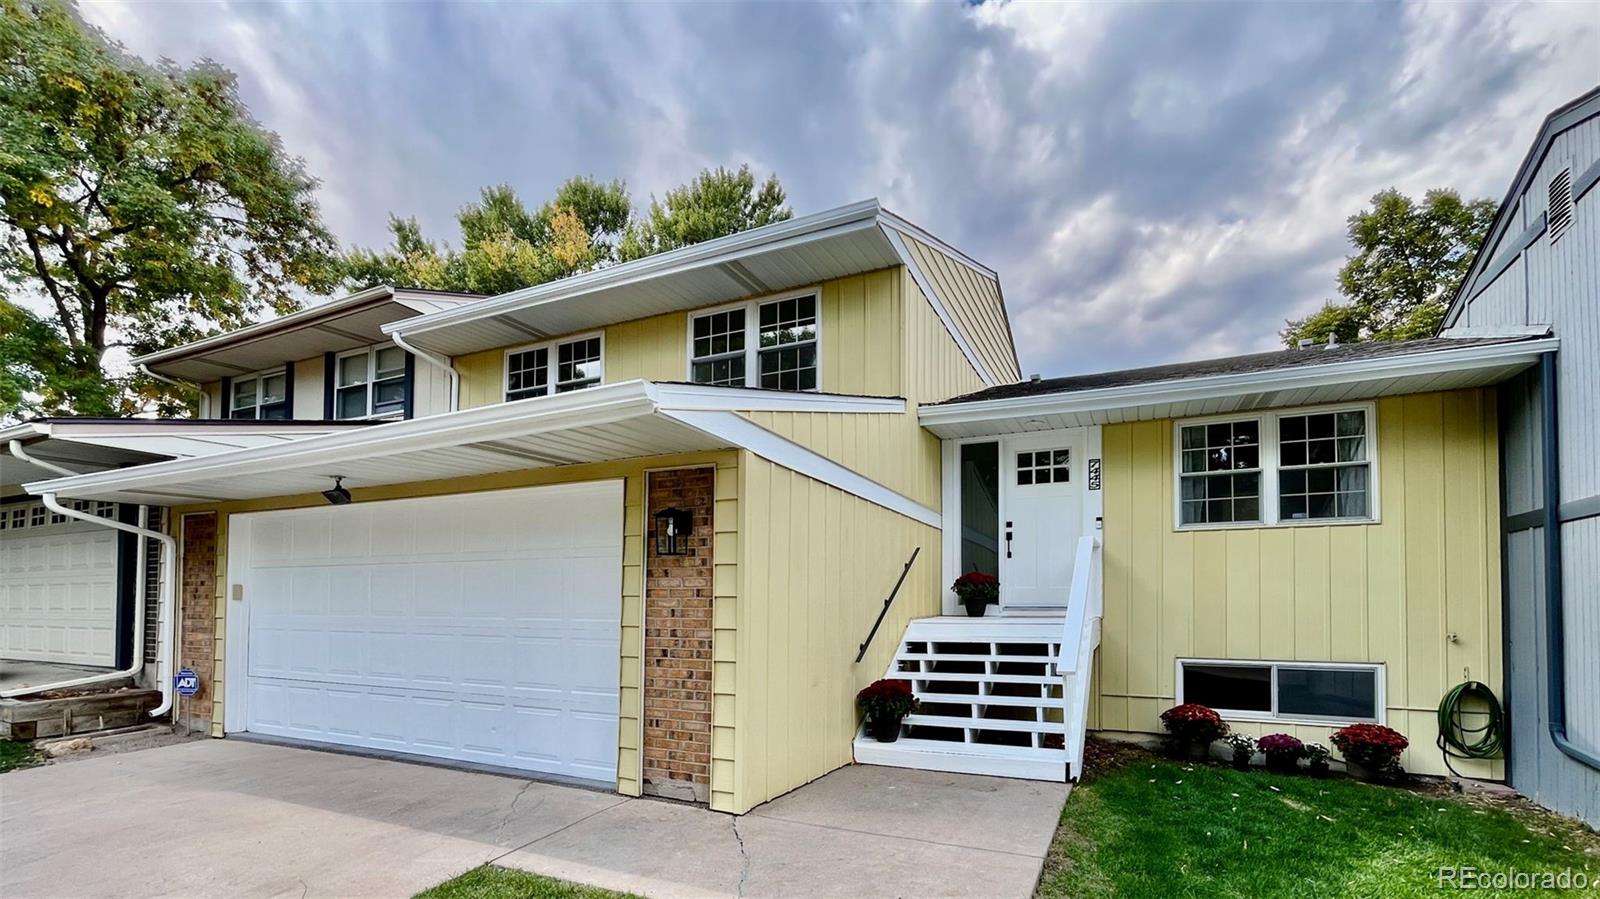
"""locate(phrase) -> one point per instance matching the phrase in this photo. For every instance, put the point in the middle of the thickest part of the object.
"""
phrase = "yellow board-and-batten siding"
(972, 298)
(1418, 590)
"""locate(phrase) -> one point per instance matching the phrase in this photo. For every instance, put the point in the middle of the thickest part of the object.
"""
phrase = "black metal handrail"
(886, 604)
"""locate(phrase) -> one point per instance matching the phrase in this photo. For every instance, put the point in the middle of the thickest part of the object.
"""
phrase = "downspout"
(169, 558)
(438, 362)
(1555, 629)
(205, 398)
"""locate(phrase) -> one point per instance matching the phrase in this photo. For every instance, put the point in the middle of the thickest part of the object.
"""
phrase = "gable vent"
(1560, 204)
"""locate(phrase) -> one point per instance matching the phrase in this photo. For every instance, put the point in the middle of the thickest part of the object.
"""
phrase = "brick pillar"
(197, 624)
(677, 642)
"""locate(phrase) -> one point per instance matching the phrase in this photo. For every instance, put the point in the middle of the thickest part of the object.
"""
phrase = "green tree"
(139, 204)
(715, 204)
(1410, 258)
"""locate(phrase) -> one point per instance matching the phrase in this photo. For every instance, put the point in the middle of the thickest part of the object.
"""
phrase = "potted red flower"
(1283, 752)
(976, 591)
(1194, 728)
(1371, 751)
(886, 702)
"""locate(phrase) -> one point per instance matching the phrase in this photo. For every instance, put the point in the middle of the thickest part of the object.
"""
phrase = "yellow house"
(655, 525)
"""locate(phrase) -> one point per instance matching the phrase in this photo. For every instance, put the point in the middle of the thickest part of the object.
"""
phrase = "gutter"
(205, 398)
(169, 558)
(438, 362)
(1555, 625)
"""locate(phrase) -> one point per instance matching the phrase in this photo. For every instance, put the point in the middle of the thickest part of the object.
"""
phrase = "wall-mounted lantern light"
(338, 495)
(673, 529)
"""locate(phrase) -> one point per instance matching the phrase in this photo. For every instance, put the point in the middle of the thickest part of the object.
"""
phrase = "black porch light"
(673, 527)
(338, 495)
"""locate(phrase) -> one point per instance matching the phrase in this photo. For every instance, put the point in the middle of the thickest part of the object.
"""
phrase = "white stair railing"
(1080, 637)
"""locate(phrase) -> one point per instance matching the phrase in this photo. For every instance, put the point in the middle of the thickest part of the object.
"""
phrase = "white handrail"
(1080, 636)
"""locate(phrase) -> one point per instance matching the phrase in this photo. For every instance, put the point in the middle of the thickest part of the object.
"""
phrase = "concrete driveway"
(233, 818)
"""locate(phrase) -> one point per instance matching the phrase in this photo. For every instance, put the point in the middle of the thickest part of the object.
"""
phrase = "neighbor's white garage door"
(58, 588)
(482, 627)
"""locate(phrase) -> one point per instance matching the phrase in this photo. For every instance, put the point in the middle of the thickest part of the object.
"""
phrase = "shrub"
(1370, 745)
(1283, 751)
(977, 585)
(887, 698)
(1192, 723)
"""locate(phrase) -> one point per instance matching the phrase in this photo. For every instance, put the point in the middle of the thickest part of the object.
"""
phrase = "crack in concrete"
(512, 808)
(304, 887)
(744, 856)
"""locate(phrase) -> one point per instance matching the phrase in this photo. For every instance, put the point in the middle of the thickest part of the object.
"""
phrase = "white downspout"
(169, 561)
(438, 362)
(205, 398)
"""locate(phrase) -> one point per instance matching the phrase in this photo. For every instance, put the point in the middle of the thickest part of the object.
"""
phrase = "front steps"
(991, 699)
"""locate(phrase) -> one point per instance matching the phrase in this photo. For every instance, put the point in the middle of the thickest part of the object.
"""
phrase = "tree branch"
(55, 290)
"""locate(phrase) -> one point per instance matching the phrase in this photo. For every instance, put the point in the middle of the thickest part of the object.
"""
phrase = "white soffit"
(1452, 369)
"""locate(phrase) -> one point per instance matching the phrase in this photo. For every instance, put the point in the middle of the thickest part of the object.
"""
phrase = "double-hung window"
(556, 367)
(371, 383)
(1288, 467)
(766, 343)
(264, 396)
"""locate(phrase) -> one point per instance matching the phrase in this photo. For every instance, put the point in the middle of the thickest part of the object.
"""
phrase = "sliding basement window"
(1331, 692)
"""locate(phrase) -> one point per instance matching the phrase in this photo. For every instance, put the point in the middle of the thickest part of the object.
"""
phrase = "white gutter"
(169, 560)
(438, 362)
(205, 398)
(22, 455)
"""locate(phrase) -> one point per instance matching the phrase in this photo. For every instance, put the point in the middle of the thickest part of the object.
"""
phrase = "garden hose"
(1456, 739)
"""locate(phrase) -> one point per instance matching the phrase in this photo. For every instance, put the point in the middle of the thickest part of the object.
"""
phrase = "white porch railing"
(1080, 636)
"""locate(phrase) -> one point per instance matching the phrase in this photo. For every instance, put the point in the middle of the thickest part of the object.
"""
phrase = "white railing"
(1080, 636)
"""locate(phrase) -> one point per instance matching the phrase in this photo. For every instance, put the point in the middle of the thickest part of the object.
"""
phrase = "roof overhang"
(631, 419)
(90, 445)
(1357, 379)
(342, 324)
(798, 253)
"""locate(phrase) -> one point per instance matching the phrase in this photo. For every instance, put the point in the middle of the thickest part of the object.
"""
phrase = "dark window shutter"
(329, 370)
(288, 390)
(225, 397)
(411, 385)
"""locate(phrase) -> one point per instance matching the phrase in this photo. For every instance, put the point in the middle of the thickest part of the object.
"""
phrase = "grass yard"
(489, 882)
(15, 755)
(1150, 827)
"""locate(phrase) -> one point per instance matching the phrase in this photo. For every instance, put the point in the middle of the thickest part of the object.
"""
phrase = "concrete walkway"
(232, 818)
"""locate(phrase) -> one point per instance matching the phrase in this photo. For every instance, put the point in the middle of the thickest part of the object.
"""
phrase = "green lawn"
(489, 882)
(16, 755)
(1161, 828)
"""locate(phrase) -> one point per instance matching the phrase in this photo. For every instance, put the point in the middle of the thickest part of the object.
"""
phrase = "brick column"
(197, 624)
(677, 642)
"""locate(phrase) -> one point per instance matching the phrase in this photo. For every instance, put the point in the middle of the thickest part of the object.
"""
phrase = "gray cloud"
(1152, 182)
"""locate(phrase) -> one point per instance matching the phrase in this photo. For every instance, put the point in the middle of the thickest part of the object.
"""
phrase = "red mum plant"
(1283, 751)
(887, 698)
(977, 590)
(1193, 724)
(1372, 746)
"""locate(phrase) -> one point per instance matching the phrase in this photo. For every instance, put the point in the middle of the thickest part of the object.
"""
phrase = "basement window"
(1321, 693)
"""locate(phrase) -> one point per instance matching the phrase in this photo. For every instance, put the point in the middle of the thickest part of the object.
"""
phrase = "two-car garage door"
(480, 627)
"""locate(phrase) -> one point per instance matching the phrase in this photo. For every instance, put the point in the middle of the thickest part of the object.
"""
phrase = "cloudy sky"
(1152, 182)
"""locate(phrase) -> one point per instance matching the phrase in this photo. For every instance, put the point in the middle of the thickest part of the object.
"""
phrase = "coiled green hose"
(1456, 740)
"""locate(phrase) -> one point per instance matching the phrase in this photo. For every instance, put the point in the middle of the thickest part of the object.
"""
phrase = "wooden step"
(1011, 724)
(972, 677)
(1048, 702)
(1032, 763)
(974, 657)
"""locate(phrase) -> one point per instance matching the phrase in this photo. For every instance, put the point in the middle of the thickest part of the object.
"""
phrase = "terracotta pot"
(975, 606)
(884, 729)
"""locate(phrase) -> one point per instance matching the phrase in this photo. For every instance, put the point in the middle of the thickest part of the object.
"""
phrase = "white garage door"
(481, 627)
(58, 588)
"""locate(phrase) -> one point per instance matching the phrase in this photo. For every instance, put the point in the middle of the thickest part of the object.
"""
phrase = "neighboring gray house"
(1540, 267)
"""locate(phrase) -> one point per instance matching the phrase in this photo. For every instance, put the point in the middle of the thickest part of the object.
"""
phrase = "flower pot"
(1282, 763)
(884, 729)
(1241, 763)
(1362, 772)
(1199, 752)
(1318, 768)
(975, 606)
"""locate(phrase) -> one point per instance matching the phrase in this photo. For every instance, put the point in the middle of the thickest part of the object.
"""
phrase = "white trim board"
(939, 308)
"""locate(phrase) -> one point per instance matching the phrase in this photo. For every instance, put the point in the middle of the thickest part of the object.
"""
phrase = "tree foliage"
(1410, 258)
(588, 224)
(140, 204)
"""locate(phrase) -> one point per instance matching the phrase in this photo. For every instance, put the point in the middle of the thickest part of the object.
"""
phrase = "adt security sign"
(186, 682)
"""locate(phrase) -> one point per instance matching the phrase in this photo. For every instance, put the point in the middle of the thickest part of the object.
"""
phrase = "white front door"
(1042, 479)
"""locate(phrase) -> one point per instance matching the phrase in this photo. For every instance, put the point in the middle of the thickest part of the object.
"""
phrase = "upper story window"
(1277, 468)
(579, 362)
(370, 383)
(765, 343)
(264, 395)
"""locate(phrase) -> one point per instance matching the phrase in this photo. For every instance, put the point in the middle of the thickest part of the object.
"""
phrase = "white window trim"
(258, 377)
(1379, 686)
(752, 334)
(553, 360)
(371, 353)
(1268, 419)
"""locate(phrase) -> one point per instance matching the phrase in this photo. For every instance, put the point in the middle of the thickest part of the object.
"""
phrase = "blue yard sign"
(186, 682)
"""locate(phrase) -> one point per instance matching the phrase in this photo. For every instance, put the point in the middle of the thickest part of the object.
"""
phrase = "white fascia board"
(1216, 386)
(688, 397)
(23, 431)
(262, 329)
(905, 227)
(743, 433)
(856, 216)
(598, 405)
(937, 302)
